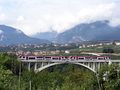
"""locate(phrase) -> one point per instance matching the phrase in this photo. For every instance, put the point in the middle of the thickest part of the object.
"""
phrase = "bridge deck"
(60, 61)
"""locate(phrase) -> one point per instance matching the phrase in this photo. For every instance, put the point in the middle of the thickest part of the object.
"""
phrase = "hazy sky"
(32, 16)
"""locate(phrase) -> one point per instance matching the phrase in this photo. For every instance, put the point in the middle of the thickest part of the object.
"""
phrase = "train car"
(32, 57)
(103, 58)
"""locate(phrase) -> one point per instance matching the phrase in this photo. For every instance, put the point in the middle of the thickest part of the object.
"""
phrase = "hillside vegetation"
(14, 76)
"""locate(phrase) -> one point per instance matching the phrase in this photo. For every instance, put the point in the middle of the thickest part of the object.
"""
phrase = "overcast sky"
(32, 16)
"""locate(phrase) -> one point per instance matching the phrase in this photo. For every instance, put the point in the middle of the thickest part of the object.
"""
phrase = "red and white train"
(64, 57)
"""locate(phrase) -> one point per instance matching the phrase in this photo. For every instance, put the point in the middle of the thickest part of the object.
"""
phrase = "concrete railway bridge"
(93, 65)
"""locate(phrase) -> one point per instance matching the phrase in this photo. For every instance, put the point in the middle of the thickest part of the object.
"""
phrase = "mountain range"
(10, 35)
(51, 35)
(98, 30)
(95, 31)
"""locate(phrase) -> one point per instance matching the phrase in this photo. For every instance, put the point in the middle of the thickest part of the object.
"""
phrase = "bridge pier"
(93, 66)
(35, 66)
(29, 66)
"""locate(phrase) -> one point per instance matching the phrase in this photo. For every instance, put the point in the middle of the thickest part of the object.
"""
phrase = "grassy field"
(97, 49)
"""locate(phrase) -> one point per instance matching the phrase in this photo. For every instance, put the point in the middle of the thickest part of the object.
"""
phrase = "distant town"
(88, 47)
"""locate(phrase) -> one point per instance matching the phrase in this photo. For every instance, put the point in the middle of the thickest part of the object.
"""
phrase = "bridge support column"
(35, 66)
(98, 66)
(94, 66)
(88, 65)
(29, 66)
(42, 64)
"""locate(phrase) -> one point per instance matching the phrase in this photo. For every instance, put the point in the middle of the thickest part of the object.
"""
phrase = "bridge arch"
(53, 64)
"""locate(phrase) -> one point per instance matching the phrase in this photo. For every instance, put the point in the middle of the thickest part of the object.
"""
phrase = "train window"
(81, 58)
(88, 58)
(26, 58)
(63, 58)
(31, 57)
(59, 58)
(94, 58)
(72, 57)
(55, 58)
(47, 58)
(40, 58)
(66, 57)
(100, 58)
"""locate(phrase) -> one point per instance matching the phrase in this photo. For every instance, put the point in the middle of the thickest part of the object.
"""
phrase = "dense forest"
(14, 76)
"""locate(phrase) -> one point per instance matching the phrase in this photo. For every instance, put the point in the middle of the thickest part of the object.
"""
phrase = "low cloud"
(40, 15)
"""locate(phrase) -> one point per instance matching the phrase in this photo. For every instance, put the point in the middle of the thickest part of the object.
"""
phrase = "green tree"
(108, 50)
(109, 76)
(9, 69)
